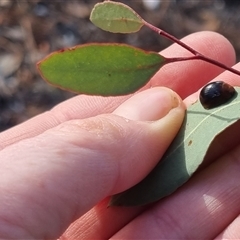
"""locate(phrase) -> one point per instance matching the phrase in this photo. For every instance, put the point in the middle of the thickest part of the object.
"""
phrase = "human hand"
(57, 166)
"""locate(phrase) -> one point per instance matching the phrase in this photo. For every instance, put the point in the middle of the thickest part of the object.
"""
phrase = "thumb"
(52, 179)
(156, 116)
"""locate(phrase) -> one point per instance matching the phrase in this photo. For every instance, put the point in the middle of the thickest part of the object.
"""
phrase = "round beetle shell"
(215, 94)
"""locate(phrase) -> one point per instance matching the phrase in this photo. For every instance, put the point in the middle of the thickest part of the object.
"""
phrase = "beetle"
(215, 94)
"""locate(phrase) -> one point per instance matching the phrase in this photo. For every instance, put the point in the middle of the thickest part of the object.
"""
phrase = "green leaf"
(116, 17)
(185, 154)
(100, 69)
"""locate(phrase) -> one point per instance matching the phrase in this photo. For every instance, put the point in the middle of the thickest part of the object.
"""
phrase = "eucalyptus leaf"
(115, 17)
(100, 69)
(184, 155)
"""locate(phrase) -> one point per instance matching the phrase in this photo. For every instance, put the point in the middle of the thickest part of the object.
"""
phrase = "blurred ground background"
(29, 30)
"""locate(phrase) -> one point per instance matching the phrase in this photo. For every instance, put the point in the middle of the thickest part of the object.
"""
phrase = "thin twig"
(197, 55)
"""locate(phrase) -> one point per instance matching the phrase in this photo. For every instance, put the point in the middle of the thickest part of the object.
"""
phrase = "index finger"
(183, 77)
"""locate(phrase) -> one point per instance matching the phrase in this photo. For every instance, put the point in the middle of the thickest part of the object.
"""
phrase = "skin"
(58, 169)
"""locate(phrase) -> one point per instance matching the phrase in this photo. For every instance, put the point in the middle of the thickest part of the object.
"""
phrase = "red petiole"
(197, 55)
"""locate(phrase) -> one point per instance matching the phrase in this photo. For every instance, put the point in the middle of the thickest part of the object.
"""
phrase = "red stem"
(197, 55)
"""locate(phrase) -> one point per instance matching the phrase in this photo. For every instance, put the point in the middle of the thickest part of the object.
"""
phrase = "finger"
(101, 222)
(187, 77)
(59, 175)
(201, 209)
(232, 231)
(184, 77)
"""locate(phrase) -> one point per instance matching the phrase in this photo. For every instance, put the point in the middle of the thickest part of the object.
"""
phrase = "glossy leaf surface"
(100, 69)
(184, 155)
(115, 17)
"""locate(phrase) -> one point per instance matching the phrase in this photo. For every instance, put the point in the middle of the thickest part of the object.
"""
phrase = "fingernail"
(149, 105)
